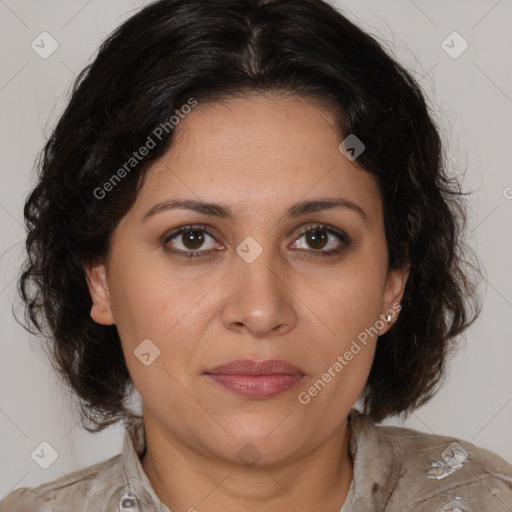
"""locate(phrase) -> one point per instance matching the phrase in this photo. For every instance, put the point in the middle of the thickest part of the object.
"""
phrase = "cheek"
(157, 335)
(151, 304)
(146, 300)
(347, 350)
(351, 299)
(348, 305)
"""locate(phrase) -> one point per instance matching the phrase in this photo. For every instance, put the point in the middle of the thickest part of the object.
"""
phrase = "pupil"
(316, 238)
(194, 237)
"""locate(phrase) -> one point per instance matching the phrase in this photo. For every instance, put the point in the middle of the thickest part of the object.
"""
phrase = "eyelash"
(201, 254)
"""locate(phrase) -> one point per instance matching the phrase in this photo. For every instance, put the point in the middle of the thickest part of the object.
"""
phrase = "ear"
(96, 277)
(392, 296)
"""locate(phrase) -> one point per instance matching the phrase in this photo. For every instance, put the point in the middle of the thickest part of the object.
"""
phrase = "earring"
(389, 317)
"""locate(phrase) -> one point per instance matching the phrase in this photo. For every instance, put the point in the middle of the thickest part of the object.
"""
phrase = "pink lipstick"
(255, 379)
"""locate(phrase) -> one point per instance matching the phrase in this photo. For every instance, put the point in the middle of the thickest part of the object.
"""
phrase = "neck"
(186, 479)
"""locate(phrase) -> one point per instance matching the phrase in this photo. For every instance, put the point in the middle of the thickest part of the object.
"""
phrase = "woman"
(243, 215)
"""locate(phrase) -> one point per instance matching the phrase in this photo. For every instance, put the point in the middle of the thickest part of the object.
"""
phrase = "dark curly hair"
(174, 50)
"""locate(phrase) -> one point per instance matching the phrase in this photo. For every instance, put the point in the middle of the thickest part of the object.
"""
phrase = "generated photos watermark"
(150, 143)
(304, 397)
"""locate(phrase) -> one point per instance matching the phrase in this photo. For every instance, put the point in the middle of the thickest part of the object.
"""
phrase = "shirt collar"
(375, 470)
(134, 446)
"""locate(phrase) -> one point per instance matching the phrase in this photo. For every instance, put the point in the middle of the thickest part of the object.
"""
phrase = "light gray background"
(472, 97)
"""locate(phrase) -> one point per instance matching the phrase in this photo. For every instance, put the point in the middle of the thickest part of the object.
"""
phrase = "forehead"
(263, 150)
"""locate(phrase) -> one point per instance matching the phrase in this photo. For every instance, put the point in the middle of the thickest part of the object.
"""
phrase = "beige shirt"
(395, 470)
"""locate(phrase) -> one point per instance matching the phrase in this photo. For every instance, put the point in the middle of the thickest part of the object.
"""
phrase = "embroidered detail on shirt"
(454, 457)
(128, 503)
(455, 505)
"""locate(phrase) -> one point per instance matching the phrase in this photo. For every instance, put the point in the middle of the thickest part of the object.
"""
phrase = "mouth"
(255, 379)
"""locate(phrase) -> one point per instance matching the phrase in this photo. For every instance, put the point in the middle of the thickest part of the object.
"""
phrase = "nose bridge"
(258, 268)
(258, 296)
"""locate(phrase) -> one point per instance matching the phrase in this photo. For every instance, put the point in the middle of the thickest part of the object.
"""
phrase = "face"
(300, 285)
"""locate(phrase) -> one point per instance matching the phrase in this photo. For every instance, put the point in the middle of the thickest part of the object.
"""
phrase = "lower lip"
(256, 386)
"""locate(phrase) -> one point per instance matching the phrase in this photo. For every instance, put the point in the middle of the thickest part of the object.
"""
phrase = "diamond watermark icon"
(44, 45)
(454, 45)
(249, 455)
(146, 352)
(249, 249)
(352, 147)
(44, 455)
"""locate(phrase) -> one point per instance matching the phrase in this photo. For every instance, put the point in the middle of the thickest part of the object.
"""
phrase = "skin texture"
(257, 155)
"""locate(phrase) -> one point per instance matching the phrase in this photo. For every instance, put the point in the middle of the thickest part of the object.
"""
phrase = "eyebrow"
(219, 210)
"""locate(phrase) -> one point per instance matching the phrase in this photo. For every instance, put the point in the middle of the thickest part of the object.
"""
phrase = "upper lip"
(251, 367)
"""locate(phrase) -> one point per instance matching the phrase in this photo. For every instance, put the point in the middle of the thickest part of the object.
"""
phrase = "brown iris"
(194, 237)
(317, 238)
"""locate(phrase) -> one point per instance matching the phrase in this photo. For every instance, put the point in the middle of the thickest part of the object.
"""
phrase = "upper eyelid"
(178, 231)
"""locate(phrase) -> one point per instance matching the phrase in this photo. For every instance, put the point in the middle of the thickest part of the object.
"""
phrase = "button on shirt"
(395, 470)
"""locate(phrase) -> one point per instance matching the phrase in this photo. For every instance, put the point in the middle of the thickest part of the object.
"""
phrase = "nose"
(258, 297)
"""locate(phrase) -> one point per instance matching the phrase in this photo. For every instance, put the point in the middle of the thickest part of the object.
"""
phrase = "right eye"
(191, 238)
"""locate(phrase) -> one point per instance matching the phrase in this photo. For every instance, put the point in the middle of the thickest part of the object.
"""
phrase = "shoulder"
(440, 471)
(88, 489)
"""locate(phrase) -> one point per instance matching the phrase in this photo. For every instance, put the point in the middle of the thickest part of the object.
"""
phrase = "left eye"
(320, 238)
